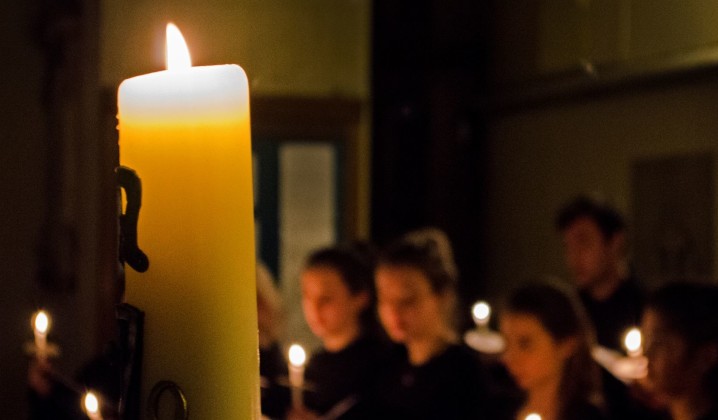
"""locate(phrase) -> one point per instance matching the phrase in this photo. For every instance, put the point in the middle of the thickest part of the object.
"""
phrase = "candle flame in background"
(632, 341)
(92, 404)
(297, 355)
(533, 416)
(481, 311)
(41, 322)
(177, 53)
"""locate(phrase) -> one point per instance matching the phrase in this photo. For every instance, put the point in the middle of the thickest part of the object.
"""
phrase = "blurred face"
(589, 256)
(673, 369)
(532, 357)
(265, 321)
(329, 307)
(408, 307)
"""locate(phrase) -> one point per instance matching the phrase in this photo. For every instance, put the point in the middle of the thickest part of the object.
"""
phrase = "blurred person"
(594, 238)
(548, 353)
(273, 371)
(338, 300)
(680, 328)
(432, 375)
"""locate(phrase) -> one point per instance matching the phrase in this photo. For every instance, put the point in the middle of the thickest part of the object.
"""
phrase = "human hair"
(559, 311)
(429, 251)
(607, 218)
(268, 296)
(354, 262)
(690, 310)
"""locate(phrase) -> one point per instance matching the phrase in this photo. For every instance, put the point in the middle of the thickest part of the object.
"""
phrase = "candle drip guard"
(130, 319)
(129, 251)
(153, 401)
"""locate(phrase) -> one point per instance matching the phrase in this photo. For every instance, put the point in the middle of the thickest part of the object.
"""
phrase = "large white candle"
(186, 133)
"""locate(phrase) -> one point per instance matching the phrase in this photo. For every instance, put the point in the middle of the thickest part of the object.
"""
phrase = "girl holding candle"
(680, 328)
(548, 353)
(338, 302)
(432, 374)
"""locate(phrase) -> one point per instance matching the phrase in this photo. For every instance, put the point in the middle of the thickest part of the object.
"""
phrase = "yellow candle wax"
(186, 133)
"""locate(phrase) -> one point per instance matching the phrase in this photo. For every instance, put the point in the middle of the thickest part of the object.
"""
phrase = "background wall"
(544, 38)
(314, 47)
(541, 157)
(591, 93)
(24, 205)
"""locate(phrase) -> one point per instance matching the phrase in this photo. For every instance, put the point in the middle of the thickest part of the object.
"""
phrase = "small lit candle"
(533, 416)
(633, 342)
(297, 358)
(481, 312)
(40, 326)
(92, 406)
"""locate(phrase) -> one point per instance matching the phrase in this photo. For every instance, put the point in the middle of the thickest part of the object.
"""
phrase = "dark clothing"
(618, 399)
(62, 404)
(102, 374)
(344, 377)
(584, 411)
(711, 415)
(504, 394)
(621, 404)
(273, 371)
(579, 411)
(452, 385)
(613, 316)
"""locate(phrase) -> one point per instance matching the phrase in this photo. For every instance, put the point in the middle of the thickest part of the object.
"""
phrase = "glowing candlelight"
(297, 358)
(533, 416)
(176, 52)
(41, 325)
(633, 342)
(481, 312)
(92, 406)
(482, 338)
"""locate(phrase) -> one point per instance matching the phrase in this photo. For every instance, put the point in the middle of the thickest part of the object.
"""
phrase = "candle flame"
(92, 404)
(297, 355)
(632, 340)
(481, 311)
(177, 52)
(42, 322)
(533, 416)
